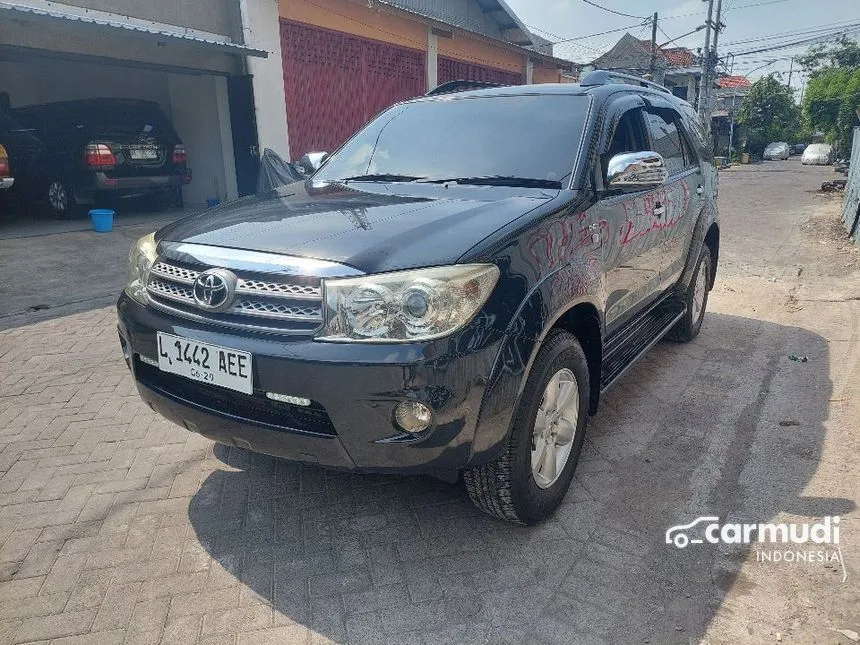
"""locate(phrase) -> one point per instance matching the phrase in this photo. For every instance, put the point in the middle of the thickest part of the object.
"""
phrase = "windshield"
(512, 140)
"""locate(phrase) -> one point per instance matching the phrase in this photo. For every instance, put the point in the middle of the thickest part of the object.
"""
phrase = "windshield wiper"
(499, 180)
(383, 177)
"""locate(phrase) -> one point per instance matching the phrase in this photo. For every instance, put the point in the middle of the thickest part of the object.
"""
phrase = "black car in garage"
(95, 148)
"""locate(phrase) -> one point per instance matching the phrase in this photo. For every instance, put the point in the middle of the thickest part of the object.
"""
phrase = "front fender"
(560, 291)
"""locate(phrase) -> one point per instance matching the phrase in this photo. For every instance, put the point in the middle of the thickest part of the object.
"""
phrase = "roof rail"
(608, 77)
(452, 87)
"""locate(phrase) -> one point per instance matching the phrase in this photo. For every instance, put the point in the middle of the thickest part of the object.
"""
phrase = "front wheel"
(696, 298)
(529, 481)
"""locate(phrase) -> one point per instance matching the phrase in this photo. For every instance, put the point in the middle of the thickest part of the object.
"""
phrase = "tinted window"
(532, 137)
(104, 116)
(629, 136)
(667, 139)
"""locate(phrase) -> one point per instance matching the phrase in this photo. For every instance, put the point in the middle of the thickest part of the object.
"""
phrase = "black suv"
(80, 151)
(451, 291)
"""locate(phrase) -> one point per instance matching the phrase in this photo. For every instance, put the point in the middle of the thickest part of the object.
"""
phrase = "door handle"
(659, 210)
(700, 190)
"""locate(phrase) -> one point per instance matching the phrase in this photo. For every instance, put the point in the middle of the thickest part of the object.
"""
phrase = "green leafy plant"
(768, 114)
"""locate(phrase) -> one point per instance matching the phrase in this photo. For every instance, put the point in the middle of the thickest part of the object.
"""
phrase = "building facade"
(675, 67)
(238, 76)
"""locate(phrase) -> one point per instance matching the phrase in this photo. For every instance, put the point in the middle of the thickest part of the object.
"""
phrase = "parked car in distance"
(798, 148)
(817, 154)
(438, 297)
(6, 178)
(100, 147)
(777, 151)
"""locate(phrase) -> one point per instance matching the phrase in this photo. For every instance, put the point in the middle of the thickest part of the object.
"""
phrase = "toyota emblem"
(214, 289)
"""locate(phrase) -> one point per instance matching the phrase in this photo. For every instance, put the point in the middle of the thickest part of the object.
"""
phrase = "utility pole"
(704, 85)
(653, 64)
(790, 70)
(712, 65)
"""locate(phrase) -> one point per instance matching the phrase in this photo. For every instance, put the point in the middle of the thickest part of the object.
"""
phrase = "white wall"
(263, 31)
(201, 117)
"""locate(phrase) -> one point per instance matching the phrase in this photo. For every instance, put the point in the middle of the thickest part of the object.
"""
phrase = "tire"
(688, 327)
(61, 200)
(509, 487)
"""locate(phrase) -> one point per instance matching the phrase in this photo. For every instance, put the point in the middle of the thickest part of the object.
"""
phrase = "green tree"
(831, 102)
(769, 113)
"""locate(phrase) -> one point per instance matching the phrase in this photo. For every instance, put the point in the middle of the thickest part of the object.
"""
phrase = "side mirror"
(633, 171)
(312, 161)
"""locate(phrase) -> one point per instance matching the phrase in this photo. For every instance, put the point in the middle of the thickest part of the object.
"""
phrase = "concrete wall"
(262, 30)
(43, 80)
(215, 16)
(201, 116)
(94, 41)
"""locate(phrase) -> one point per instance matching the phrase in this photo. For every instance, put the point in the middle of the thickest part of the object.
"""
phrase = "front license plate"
(206, 363)
(143, 153)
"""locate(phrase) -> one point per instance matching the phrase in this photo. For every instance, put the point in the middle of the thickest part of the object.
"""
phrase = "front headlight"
(406, 306)
(140, 261)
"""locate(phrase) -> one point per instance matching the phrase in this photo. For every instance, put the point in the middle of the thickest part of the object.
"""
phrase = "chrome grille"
(266, 302)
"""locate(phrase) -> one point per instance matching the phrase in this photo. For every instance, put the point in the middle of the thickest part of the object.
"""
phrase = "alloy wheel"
(555, 427)
(700, 291)
(58, 197)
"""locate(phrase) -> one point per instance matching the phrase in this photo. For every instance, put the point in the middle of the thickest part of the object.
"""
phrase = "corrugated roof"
(227, 46)
(504, 23)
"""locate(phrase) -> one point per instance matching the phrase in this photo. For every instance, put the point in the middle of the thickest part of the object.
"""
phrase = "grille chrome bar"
(272, 303)
(245, 286)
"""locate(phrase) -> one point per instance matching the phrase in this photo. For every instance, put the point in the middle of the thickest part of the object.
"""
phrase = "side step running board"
(630, 343)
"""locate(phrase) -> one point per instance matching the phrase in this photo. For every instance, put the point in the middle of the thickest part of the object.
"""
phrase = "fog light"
(149, 361)
(413, 416)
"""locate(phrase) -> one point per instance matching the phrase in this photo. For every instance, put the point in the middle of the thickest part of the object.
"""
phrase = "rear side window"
(668, 140)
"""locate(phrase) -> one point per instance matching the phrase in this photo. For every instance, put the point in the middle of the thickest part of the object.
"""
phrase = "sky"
(747, 22)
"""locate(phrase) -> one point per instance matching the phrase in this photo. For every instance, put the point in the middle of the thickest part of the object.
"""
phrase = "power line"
(835, 26)
(601, 33)
(617, 13)
(745, 6)
(797, 43)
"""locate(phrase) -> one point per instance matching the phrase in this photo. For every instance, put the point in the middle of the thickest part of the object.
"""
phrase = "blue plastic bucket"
(212, 203)
(102, 220)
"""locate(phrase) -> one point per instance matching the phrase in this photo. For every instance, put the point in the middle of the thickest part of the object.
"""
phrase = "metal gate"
(851, 205)
(457, 70)
(335, 83)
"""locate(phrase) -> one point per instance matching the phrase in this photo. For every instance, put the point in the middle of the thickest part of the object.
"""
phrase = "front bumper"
(6, 183)
(354, 387)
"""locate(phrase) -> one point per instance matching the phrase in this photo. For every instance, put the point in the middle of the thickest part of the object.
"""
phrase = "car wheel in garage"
(61, 201)
(528, 482)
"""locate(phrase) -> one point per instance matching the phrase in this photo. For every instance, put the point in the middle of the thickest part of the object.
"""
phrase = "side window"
(629, 136)
(668, 140)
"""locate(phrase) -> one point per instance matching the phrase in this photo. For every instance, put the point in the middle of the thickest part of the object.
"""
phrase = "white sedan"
(777, 150)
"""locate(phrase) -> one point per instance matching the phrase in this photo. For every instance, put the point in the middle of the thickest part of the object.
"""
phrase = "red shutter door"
(334, 83)
(458, 70)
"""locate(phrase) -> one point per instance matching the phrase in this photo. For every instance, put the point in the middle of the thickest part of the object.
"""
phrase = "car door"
(632, 253)
(680, 199)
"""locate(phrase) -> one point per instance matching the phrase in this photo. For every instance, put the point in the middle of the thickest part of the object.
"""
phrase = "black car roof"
(555, 89)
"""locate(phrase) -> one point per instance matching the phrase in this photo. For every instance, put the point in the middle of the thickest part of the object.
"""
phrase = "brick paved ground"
(118, 527)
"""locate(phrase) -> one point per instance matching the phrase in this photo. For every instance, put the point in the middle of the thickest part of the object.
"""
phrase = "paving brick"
(294, 634)
(56, 626)
(117, 607)
(242, 619)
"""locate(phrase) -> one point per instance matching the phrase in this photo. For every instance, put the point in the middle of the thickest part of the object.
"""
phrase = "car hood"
(371, 227)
